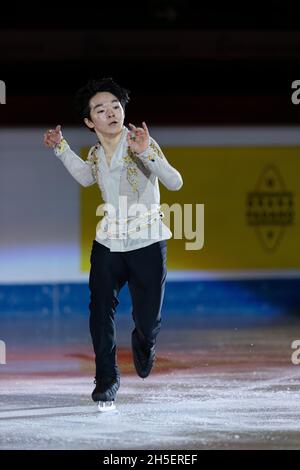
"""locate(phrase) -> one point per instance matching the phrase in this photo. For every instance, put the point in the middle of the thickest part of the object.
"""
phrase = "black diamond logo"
(270, 209)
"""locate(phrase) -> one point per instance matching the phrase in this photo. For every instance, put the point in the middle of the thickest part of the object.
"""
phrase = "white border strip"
(233, 275)
(169, 136)
(177, 276)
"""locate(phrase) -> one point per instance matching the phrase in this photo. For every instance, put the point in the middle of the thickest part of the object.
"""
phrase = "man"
(130, 243)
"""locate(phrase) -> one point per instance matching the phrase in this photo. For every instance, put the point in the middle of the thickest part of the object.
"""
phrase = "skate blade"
(104, 406)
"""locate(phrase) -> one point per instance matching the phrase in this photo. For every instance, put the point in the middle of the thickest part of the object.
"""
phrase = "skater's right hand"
(53, 137)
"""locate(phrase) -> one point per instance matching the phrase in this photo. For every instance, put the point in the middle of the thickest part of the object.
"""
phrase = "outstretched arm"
(149, 152)
(80, 170)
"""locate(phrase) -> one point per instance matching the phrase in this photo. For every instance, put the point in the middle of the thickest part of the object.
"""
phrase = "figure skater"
(131, 239)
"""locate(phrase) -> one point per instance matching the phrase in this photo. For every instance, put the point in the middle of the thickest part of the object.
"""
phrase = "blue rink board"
(193, 298)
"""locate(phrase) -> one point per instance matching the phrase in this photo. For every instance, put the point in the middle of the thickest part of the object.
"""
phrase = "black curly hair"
(93, 86)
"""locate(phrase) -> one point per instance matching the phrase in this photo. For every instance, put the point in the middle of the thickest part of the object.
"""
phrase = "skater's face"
(106, 114)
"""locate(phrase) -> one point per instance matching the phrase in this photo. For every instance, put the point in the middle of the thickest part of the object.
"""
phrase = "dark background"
(185, 63)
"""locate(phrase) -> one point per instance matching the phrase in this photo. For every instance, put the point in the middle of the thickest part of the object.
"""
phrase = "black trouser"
(145, 271)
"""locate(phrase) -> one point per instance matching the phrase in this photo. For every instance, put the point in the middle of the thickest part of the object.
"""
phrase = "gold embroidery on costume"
(156, 150)
(93, 159)
(62, 146)
(130, 160)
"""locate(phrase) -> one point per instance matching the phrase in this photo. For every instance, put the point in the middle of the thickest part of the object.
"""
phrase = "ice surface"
(217, 389)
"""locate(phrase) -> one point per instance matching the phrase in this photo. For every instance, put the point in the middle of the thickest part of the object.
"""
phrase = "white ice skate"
(104, 406)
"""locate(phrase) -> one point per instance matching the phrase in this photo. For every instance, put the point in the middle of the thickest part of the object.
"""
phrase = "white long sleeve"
(80, 170)
(155, 161)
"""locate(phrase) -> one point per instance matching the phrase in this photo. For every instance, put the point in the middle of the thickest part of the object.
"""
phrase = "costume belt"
(114, 226)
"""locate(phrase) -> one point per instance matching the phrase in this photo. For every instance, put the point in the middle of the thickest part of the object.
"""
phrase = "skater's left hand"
(138, 138)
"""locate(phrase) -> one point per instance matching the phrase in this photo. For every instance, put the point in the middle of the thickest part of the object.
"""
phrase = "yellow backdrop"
(250, 198)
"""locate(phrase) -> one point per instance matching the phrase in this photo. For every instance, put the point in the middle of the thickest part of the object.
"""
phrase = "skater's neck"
(109, 142)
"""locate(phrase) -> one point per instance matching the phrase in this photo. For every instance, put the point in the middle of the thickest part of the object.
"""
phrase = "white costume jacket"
(129, 186)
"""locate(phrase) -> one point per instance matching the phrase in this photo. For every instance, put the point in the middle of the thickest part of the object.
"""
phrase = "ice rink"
(212, 388)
